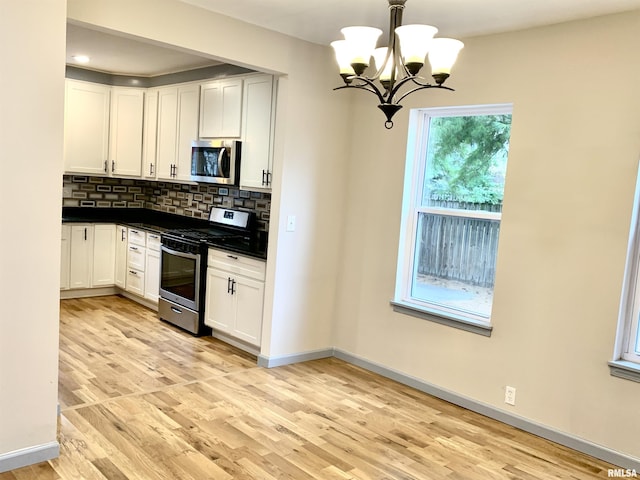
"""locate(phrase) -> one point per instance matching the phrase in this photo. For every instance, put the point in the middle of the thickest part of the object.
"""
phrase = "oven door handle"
(179, 254)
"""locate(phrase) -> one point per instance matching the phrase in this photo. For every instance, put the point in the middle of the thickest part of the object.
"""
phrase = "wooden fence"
(459, 248)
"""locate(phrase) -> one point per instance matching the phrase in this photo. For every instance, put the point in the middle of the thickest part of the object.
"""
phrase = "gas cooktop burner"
(203, 234)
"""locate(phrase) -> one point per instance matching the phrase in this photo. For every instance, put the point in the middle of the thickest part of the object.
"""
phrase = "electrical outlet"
(510, 395)
(291, 223)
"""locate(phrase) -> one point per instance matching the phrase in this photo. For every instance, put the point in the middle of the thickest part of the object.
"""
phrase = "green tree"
(467, 158)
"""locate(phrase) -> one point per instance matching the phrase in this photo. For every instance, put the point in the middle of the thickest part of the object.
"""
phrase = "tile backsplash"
(188, 200)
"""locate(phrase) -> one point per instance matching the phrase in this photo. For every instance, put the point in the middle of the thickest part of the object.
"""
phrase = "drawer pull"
(232, 256)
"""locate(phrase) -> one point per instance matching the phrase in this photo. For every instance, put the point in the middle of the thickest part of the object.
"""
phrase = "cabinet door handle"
(264, 176)
(233, 287)
(133, 272)
(85, 234)
(268, 178)
(113, 166)
(122, 238)
(151, 169)
(228, 284)
(105, 166)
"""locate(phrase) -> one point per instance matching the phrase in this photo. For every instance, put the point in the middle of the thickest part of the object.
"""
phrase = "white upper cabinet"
(86, 127)
(188, 108)
(125, 149)
(103, 129)
(257, 133)
(147, 133)
(221, 109)
(177, 128)
(167, 131)
(150, 134)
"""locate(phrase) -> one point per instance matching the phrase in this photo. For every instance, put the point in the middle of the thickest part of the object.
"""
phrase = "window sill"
(625, 369)
(469, 325)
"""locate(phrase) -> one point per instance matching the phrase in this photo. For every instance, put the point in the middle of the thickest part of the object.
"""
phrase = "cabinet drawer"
(153, 241)
(239, 264)
(136, 257)
(137, 237)
(135, 282)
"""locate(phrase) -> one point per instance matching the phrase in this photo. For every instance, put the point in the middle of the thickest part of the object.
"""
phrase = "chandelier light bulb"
(362, 42)
(344, 56)
(415, 41)
(443, 54)
(379, 56)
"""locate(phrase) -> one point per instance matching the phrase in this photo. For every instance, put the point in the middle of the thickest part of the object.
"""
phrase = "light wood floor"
(143, 400)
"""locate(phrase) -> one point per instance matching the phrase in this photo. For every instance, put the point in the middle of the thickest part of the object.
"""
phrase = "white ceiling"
(320, 21)
(125, 56)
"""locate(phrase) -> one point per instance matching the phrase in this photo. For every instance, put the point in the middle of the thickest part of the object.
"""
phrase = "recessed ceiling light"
(81, 58)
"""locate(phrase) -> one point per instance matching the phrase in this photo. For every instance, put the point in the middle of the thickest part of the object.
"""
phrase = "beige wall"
(32, 43)
(574, 152)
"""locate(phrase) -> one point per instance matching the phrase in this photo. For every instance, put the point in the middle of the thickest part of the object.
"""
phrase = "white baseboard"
(544, 431)
(88, 292)
(270, 362)
(29, 456)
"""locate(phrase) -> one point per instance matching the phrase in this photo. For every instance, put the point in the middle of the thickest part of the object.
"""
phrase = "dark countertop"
(159, 222)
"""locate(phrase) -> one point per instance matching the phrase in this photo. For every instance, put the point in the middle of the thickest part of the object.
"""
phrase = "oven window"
(179, 275)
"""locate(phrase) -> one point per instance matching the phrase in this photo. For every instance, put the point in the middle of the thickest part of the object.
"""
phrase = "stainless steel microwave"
(216, 161)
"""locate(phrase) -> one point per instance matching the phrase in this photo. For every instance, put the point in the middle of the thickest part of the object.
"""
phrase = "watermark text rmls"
(621, 473)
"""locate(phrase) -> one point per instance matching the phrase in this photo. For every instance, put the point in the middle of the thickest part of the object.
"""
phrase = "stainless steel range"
(183, 265)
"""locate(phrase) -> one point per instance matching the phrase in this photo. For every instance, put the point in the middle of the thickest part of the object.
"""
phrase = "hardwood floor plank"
(143, 400)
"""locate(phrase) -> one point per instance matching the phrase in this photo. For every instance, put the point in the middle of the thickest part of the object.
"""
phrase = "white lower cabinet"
(121, 256)
(152, 268)
(235, 296)
(107, 255)
(104, 255)
(81, 256)
(136, 259)
(65, 250)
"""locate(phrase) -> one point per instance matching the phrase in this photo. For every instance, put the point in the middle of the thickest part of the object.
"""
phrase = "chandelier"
(397, 65)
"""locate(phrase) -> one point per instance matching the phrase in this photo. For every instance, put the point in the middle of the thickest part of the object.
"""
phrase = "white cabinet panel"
(121, 257)
(221, 109)
(104, 255)
(188, 106)
(257, 133)
(136, 257)
(177, 128)
(152, 268)
(235, 296)
(125, 149)
(65, 251)
(150, 135)
(86, 127)
(81, 256)
(135, 282)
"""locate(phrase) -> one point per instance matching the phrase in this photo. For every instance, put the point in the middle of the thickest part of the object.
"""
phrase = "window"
(452, 206)
(626, 359)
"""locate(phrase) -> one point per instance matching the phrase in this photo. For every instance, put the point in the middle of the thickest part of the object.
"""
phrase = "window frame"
(625, 362)
(415, 166)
